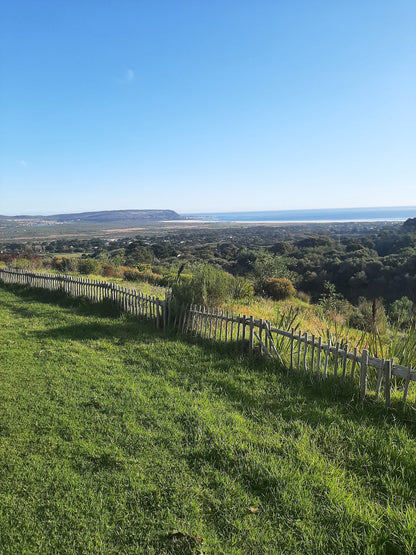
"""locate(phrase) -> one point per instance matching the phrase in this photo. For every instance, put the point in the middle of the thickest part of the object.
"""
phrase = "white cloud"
(129, 75)
(22, 163)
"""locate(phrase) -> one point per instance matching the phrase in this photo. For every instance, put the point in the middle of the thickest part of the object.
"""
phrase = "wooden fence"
(129, 300)
(297, 350)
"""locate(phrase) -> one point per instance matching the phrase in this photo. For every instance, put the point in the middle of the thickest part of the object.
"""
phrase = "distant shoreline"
(365, 220)
(324, 216)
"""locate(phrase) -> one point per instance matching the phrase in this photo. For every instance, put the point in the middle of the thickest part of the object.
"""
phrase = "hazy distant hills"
(107, 216)
(84, 224)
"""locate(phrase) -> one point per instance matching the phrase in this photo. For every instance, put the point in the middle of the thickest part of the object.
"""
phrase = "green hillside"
(118, 439)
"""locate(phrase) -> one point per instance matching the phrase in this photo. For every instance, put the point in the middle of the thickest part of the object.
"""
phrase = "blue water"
(397, 213)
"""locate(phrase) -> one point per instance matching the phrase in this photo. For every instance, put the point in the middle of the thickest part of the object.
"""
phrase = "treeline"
(333, 263)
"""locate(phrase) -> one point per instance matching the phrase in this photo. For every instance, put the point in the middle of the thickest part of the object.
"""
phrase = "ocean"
(395, 213)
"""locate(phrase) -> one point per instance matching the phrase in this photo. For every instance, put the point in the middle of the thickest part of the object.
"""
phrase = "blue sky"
(207, 106)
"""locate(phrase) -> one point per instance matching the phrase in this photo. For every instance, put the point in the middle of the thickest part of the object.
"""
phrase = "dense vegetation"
(342, 266)
(115, 439)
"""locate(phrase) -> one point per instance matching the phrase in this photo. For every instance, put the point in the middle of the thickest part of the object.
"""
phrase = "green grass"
(142, 286)
(117, 439)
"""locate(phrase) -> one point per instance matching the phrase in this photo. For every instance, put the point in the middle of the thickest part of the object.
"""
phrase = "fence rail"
(129, 300)
(299, 351)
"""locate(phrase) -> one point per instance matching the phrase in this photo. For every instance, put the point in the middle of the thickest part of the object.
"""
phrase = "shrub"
(88, 266)
(371, 322)
(241, 288)
(151, 277)
(357, 319)
(22, 264)
(207, 286)
(267, 266)
(119, 271)
(330, 299)
(401, 312)
(279, 288)
(131, 274)
(65, 264)
(304, 297)
(108, 270)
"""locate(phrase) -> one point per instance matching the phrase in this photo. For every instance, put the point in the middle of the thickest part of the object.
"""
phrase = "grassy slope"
(112, 437)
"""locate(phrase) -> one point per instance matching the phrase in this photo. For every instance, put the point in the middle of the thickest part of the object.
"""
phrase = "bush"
(65, 264)
(88, 266)
(108, 270)
(151, 277)
(401, 312)
(279, 288)
(304, 297)
(370, 321)
(242, 288)
(119, 271)
(131, 274)
(357, 319)
(265, 267)
(208, 286)
(22, 264)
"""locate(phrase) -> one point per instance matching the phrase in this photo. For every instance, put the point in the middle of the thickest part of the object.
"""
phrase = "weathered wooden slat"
(344, 361)
(251, 334)
(402, 372)
(336, 359)
(206, 319)
(312, 369)
(299, 340)
(272, 344)
(327, 350)
(260, 334)
(387, 381)
(363, 373)
(354, 363)
(262, 345)
(379, 379)
(305, 352)
(292, 338)
(319, 355)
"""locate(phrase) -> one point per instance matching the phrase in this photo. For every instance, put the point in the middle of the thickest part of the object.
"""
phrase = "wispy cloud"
(129, 75)
(22, 163)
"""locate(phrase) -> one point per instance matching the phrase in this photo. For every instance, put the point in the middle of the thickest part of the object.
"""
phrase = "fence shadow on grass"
(319, 395)
(81, 305)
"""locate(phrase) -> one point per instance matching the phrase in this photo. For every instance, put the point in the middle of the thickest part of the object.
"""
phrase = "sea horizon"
(312, 215)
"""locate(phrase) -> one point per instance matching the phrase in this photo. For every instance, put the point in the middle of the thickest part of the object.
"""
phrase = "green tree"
(401, 312)
(268, 266)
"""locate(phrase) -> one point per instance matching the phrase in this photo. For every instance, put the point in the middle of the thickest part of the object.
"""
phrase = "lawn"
(115, 438)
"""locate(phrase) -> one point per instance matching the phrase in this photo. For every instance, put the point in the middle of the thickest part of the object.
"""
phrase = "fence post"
(363, 373)
(251, 336)
(165, 308)
(292, 336)
(157, 313)
(380, 377)
(387, 381)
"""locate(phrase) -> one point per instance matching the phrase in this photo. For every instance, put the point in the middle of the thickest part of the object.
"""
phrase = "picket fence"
(299, 351)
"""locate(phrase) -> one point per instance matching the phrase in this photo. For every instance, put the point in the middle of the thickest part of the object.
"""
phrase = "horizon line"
(57, 213)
